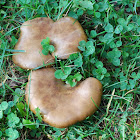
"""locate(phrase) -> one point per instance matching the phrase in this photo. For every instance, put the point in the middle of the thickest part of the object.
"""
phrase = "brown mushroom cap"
(64, 34)
(61, 105)
(32, 33)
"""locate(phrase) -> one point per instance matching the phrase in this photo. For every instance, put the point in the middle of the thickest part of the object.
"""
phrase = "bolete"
(59, 104)
(64, 34)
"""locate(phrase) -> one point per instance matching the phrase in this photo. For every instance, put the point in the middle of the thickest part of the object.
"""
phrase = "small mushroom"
(64, 34)
(59, 104)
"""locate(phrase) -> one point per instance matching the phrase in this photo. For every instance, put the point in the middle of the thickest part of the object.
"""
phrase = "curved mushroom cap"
(65, 35)
(32, 33)
(59, 104)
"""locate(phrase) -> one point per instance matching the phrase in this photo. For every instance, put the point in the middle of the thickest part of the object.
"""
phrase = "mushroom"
(64, 34)
(59, 104)
(32, 33)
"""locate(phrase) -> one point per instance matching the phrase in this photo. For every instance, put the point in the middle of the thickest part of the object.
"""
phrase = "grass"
(114, 29)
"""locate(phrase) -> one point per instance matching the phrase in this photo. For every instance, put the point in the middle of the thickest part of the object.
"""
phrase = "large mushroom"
(59, 104)
(64, 34)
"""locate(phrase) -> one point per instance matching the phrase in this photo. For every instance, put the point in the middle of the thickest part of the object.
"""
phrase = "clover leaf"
(78, 62)
(122, 21)
(109, 28)
(73, 56)
(45, 41)
(11, 103)
(104, 70)
(51, 48)
(99, 64)
(73, 14)
(118, 43)
(92, 60)
(108, 36)
(93, 33)
(62, 73)
(80, 12)
(113, 56)
(77, 59)
(99, 71)
(67, 70)
(82, 45)
(132, 83)
(116, 61)
(12, 120)
(46, 46)
(77, 76)
(90, 49)
(86, 4)
(12, 133)
(59, 74)
(72, 79)
(102, 6)
(112, 45)
(98, 14)
(100, 77)
(129, 27)
(118, 29)
(3, 105)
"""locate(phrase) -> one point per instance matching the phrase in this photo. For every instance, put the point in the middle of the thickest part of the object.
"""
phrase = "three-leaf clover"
(123, 24)
(82, 45)
(113, 56)
(72, 79)
(62, 73)
(77, 59)
(12, 134)
(84, 4)
(46, 46)
(3, 106)
(12, 120)
(100, 72)
(78, 62)
(87, 47)
(117, 44)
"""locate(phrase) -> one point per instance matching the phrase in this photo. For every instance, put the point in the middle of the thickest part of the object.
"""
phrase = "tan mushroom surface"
(59, 104)
(32, 33)
(64, 34)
